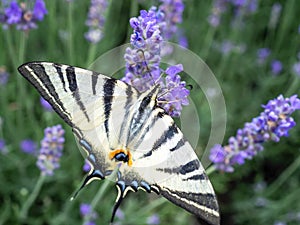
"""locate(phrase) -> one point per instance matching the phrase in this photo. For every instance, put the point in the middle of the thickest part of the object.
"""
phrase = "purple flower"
(240, 7)
(182, 41)
(296, 68)
(174, 92)
(88, 214)
(120, 214)
(23, 17)
(2, 146)
(219, 7)
(86, 167)
(273, 123)
(45, 104)
(172, 10)
(276, 67)
(96, 20)
(51, 150)
(3, 76)
(275, 13)
(85, 209)
(153, 220)
(13, 13)
(263, 54)
(244, 6)
(39, 10)
(143, 60)
(28, 146)
(226, 47)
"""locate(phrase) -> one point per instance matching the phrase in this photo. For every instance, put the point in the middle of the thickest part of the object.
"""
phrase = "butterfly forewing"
(108, 115)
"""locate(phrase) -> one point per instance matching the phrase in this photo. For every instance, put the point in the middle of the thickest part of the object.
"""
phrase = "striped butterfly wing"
(87, 101)
(119, 127)
(164, 162)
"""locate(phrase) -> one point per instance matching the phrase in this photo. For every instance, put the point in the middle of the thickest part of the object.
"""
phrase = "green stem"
(146, 210)
(153, 205)
(20, 81)
(11, 49)
(208, 42)
(32, 197)
(22, 47)
(294, 87)
(70, 24)
(283, 177)
(210, 170)
(91, 54)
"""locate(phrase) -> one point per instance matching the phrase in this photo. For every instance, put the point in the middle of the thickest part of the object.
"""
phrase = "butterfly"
(119, 127)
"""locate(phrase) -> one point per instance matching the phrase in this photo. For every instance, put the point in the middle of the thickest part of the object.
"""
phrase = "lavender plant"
(143, 63)
(90, 216)
(96, 20)
(4, 75)
(2, 145)
(28, 146)
(21, 15)
(51, 150)
(47, 161)
(272, 124)
(172, 10)
(240, 8)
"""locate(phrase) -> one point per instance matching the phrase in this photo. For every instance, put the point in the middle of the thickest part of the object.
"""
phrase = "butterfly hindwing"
(165, 160)
(119, 127)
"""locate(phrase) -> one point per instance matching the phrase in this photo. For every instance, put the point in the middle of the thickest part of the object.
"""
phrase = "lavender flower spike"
(13, 13)
(273, 123)
(143, 59)
(22, 16)
(172, 10)
(51, 150)
(96, 20)
(175, 93)
(88, 214)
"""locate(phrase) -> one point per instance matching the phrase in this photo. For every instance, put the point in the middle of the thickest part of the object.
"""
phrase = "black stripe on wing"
(158, 114)
(60, 74)
(189, 167)
(71, 76)
(203, 205)
(41, 81)
(128, 104)
(94, 82)
(142, 114)
(108, 92)
(167, 135)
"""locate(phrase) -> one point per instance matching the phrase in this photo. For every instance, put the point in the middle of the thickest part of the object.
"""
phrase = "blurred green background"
(264, 190)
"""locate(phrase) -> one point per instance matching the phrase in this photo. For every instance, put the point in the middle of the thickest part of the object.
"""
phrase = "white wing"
(115, 124)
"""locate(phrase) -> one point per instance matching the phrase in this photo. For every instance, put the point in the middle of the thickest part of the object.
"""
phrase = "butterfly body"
(119, 127)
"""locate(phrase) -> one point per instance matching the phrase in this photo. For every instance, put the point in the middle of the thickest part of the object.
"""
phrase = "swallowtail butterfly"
(119, 127)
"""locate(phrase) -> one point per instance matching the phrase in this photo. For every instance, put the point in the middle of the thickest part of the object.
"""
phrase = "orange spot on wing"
(113, 153)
